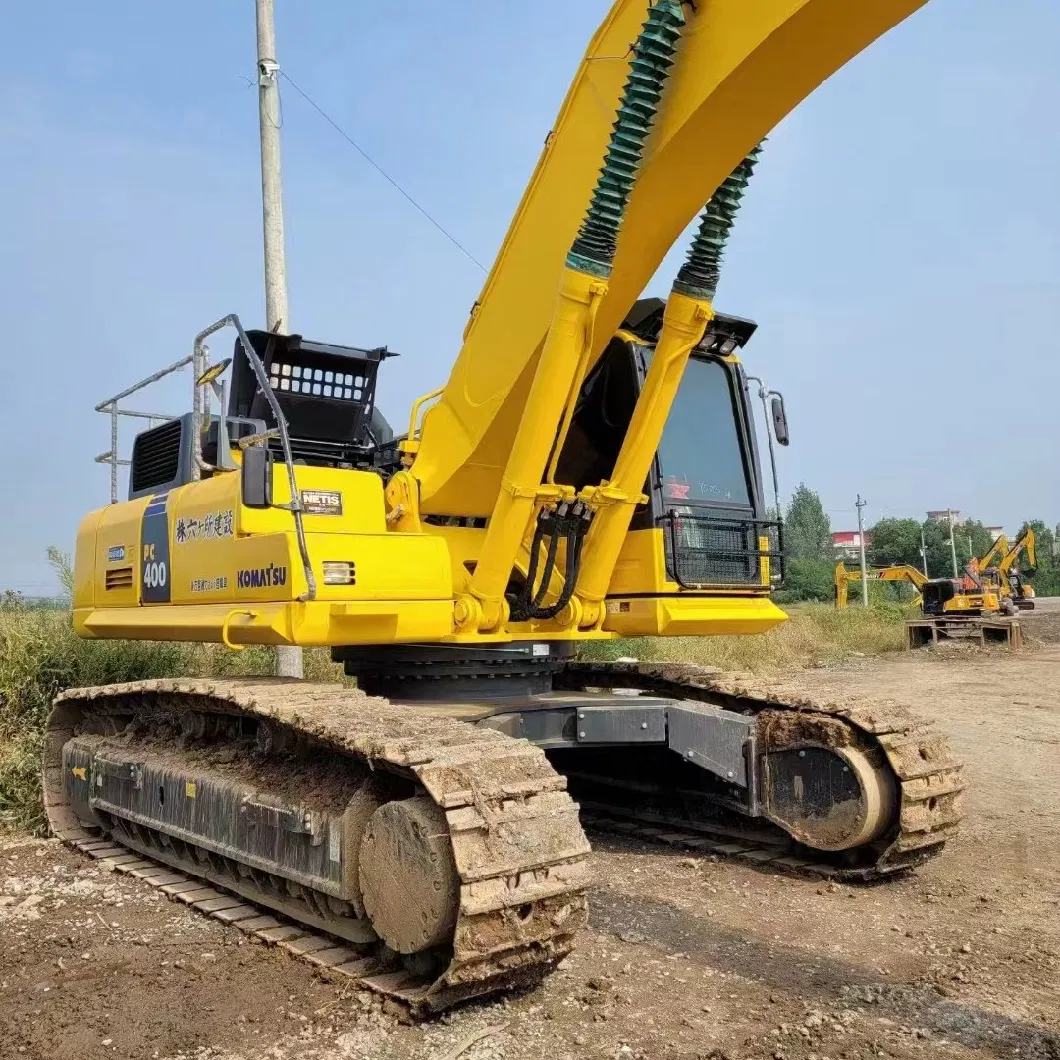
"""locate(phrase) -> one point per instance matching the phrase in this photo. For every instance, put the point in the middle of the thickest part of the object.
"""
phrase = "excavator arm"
(1024, 544)
(994, 553)
(895, 573)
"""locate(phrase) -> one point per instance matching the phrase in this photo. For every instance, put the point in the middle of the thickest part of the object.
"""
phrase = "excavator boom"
(741, 68)
(1026, 544)
(895, 573)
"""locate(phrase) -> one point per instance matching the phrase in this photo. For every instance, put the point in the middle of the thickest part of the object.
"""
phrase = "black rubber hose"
(550, 568)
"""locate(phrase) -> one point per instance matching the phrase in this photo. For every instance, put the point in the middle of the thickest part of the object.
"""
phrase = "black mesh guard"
(326, 392)
(705, 551)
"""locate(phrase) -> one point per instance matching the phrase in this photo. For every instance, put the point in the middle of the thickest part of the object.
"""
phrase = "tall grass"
(814, 635)
(40, 656)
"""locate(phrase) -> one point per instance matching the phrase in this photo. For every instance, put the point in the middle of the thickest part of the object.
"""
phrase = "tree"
(12, 600)
(807, 531)
(895, 541)
(808, 579)
(899, 541)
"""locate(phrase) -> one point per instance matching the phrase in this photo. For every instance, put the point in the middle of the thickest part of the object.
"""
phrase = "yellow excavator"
(589, 472)
(897, 572)
(1001, 586)
(991, 585)
(1005, 576)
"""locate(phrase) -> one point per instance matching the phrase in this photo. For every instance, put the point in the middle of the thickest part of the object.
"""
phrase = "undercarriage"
(429, 845)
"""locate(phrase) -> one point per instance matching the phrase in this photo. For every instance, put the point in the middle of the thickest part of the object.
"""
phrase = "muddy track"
(930, 779)
(516, 842)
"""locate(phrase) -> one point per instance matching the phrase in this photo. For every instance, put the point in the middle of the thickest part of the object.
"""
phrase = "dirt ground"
(685, 957)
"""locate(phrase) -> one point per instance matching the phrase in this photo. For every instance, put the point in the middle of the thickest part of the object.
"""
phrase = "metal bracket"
(713, 739)
(117, 771)
(615, 724)
(290, 819)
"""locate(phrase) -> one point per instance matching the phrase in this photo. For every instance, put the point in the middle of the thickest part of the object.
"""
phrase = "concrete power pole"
(953, 547)
(923, 552)
(861, 541)
(288, 659)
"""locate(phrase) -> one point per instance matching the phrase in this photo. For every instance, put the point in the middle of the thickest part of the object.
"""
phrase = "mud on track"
(684, 957)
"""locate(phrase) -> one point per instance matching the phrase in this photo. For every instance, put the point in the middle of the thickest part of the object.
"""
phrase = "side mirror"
(780, 420)
(255, 477)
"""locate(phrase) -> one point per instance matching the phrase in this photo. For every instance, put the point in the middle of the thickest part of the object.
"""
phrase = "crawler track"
(518, 848)
(929, 778)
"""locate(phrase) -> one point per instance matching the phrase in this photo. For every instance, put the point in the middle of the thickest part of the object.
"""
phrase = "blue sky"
(900, 245)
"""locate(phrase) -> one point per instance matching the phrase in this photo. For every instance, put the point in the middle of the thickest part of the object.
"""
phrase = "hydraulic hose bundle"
(565, 522)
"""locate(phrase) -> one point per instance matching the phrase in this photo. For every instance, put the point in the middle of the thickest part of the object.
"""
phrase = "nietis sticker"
(209, 585)
(207, 527)
(115, 554)
(322, 502)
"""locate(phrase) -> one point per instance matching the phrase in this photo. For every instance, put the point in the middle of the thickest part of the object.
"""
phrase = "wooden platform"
(922, 632)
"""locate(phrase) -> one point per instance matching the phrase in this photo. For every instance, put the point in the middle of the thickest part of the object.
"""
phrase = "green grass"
(40, 656)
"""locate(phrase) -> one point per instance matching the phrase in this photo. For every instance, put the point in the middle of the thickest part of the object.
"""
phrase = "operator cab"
(705, 487)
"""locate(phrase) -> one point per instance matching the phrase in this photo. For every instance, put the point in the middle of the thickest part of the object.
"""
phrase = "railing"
(111, 408)
(262, 379)
(714, 552)
(198, 359)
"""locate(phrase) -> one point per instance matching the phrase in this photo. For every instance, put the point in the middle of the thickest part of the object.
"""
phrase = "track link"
(929, 779)
(516, 841)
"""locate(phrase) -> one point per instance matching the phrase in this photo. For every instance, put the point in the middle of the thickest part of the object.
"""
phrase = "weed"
(814, 635)
(40, 655)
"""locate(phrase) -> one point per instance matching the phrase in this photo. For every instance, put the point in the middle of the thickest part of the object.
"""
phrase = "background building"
(847, 543)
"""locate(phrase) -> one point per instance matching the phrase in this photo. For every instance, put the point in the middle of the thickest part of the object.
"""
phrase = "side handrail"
(110, 408)
(198, 356)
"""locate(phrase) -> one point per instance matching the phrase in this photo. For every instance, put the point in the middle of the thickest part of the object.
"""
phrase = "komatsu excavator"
(587, 473)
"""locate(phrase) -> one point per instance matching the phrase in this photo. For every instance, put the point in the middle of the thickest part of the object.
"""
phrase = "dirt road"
(686, 957)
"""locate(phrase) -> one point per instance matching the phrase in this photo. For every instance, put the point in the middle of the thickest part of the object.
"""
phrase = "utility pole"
(288, 659)
(953, 547)
(861, 541)
(271, 189)
(923, 552)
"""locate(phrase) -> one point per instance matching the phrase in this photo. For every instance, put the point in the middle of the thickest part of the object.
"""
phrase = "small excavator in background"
(981, 603)
(1005, 576)
(897, 572)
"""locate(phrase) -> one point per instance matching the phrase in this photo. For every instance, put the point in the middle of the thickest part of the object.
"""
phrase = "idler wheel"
(830, 798)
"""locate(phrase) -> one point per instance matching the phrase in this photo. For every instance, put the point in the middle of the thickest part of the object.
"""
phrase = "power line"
(379, 169)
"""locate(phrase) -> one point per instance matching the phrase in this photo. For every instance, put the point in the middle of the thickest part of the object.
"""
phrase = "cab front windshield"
(700, 453)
